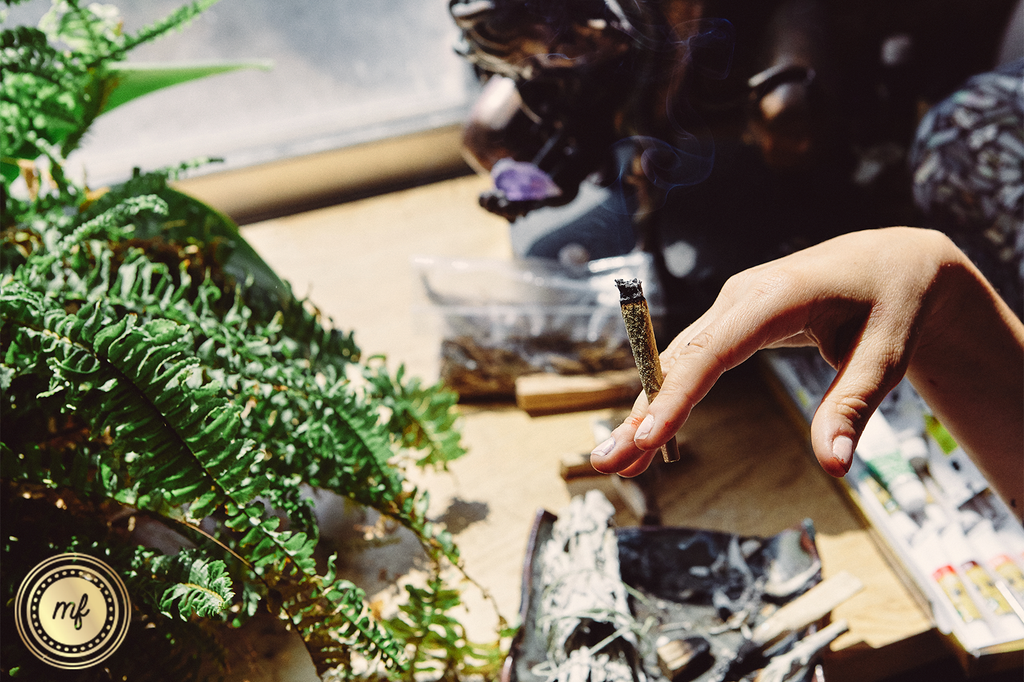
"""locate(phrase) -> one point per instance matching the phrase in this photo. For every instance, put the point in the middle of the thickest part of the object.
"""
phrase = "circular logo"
(72, 611)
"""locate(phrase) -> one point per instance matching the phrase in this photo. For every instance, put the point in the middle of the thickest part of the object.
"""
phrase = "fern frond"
(424, 418)
(179, 18)
(37, 94)
(335, 621)
(180, 441)
(437, 640)
(26, 49)
(204, 590)
(87, 31)
(331, 614)
(68, 263)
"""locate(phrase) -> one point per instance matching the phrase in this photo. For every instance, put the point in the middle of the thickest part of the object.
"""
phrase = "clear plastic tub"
(506, 318)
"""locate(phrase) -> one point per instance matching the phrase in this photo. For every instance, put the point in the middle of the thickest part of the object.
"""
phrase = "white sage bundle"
(585, 617)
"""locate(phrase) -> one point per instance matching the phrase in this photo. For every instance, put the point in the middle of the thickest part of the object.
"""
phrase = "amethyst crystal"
(522, 181)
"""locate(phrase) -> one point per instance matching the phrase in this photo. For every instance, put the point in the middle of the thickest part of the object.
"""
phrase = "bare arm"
(878, 304)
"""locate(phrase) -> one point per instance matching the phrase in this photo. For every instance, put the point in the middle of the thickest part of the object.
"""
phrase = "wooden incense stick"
(640, 330)
(808, 608)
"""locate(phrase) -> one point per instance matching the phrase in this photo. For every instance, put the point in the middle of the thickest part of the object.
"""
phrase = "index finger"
(718, 341)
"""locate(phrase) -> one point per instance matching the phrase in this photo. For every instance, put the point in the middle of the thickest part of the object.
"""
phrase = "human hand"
(878, 304)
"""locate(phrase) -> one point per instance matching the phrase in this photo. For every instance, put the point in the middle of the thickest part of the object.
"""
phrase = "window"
(345, 73)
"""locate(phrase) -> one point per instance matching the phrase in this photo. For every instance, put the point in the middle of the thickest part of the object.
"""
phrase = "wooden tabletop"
(749, 469)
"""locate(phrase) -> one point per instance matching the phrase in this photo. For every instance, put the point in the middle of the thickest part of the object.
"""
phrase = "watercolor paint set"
(954, 540)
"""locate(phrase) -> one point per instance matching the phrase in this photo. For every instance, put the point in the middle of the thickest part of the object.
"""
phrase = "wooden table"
(751, 471)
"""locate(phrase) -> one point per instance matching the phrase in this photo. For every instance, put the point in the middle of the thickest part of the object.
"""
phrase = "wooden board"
(750, 470)
(545, 393)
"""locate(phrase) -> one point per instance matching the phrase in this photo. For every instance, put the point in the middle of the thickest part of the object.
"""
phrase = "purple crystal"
(522, 181)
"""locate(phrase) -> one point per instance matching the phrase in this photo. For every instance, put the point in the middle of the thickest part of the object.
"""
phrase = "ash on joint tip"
(630, 290)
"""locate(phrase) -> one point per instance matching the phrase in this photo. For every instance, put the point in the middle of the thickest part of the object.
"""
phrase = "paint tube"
(997, 556)
(1008, 530)
(950, 589)
(880, 450)
(898, 520)
(951, 468)
(905, 411)
(980, 585)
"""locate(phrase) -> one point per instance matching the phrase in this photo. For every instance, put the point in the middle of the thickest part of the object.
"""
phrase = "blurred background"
(342, 73)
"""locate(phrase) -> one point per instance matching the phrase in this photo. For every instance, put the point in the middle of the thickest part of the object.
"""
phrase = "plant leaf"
(129, 80)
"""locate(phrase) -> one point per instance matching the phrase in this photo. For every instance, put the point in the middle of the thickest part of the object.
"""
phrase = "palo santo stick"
(640, 330)
(808, 607)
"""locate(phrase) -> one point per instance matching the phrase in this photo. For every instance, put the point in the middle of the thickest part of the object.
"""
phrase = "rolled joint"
(640, 331)
(670, 451)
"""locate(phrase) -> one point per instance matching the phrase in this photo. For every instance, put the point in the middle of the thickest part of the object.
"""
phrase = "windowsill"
(302, 183)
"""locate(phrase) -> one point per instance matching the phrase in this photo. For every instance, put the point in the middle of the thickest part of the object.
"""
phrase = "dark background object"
(726, 132)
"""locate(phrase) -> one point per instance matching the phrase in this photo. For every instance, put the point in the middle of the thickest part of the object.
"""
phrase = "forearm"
(969, 367)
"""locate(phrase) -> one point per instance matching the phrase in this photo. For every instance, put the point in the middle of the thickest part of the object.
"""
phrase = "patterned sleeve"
(968, 170)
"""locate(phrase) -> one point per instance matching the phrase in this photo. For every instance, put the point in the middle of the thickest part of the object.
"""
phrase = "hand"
(878, 304)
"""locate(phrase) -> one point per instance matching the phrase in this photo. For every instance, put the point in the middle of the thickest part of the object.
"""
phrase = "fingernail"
(842, 451)
(604, 448)
(645, 427)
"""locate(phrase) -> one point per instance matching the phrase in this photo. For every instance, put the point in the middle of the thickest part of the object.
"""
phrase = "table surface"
(749, 471)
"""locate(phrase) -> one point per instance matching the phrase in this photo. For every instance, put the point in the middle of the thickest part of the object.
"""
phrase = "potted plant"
(156, 371)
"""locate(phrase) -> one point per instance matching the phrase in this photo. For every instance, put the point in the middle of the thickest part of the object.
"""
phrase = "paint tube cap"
(984, 539)
(909, 493)
(915, 451)
(957, 549)
(936, 515)
(902, 525)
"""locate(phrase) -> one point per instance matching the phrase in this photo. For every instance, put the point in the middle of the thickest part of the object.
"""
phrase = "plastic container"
(502, 319)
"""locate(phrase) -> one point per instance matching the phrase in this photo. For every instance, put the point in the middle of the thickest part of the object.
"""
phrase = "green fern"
(174, 21)
(438, 642)
(153, 367)
(58, 75)
(178, 441)
(178, 437)
(176, 445)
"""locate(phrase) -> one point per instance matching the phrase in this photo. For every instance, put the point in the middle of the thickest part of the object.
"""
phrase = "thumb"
(855, 394)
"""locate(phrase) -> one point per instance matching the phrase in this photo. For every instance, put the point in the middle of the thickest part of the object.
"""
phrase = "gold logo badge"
(72, 611)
